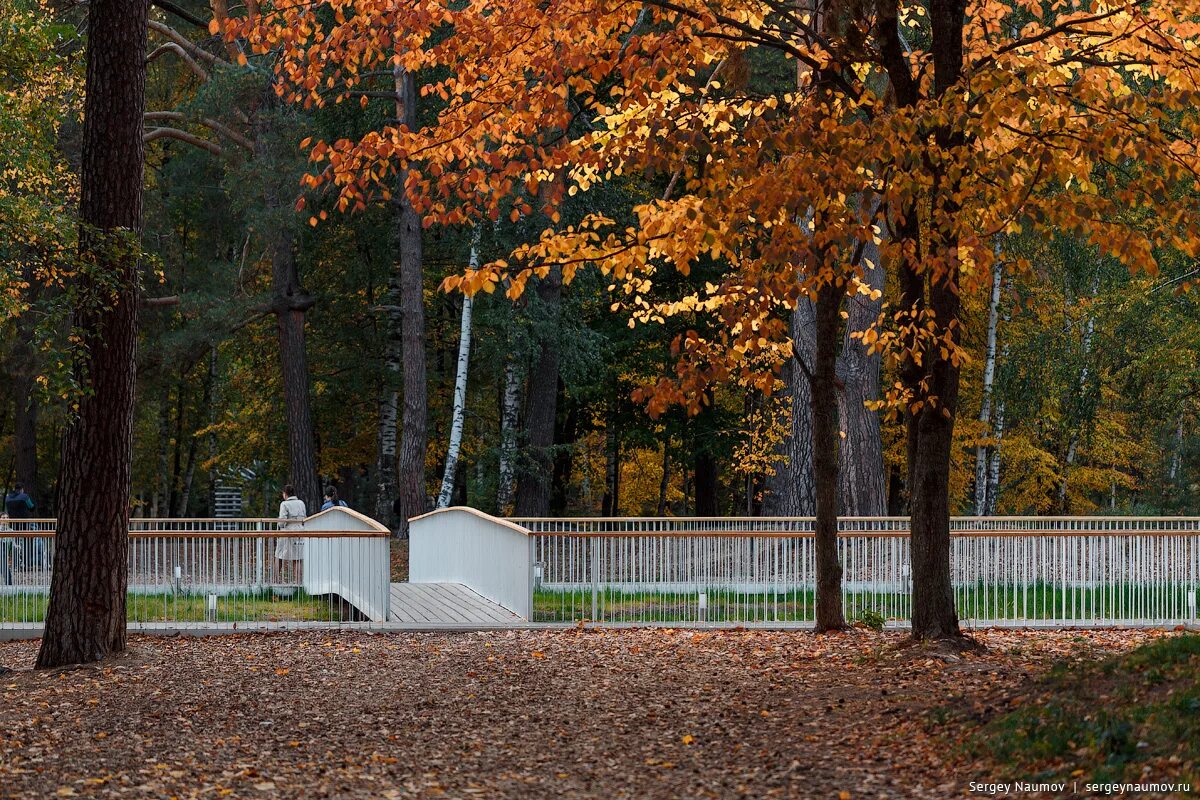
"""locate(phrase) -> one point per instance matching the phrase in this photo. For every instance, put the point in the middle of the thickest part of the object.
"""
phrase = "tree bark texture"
(989, 377)
(510, 412)
(825, 457)
(790, 491)
(389, 405)
(290, 303)
(861, 488)
(408, 245)
(458, 413)
(533, 485)
(85, 620)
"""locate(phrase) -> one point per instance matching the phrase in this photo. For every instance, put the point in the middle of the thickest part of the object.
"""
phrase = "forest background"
(315, 343)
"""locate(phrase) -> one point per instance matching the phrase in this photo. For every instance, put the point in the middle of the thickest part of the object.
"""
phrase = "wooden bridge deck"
(445, 604)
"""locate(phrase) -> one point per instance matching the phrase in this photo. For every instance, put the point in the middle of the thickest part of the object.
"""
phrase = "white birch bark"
(989, 376)
(460, 390)
(1081, 386)
(509, 417)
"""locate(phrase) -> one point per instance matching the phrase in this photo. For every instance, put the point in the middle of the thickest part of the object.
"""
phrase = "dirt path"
(627, 714)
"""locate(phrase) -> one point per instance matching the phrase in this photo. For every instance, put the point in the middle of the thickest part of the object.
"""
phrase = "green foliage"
(1120, 719)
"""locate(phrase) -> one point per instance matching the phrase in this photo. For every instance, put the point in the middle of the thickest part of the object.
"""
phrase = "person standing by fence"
(331, 499)
(290, 549)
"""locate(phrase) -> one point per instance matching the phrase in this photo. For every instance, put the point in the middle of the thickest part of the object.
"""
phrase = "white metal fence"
(1005, 570)
(220, 572)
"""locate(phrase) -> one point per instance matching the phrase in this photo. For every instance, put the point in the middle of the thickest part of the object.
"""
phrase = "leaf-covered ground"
(637, 714)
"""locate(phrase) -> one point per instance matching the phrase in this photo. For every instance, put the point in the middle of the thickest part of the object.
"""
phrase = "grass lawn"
(166, 607)
(1130, 718)
(1032, 602)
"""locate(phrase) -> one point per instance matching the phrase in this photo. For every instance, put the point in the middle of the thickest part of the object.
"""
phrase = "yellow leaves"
(688, 739)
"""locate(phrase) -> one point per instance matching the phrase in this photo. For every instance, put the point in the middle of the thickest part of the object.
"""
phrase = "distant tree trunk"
(533, 486)
(389, 405)
(407, 233)
(510, 411)
(993, 476)
(458, 414)
(611, 503)
(23, 384)
(861, 489)
(825, 457)
(564, 456)
(706, 483)
(1081, 388)
(290, 303)
(989, 376)
(159, 504)
(177, 450)
(1172, 471)
(790, 491)
(665, 483)
(210, 388)
(85, 620)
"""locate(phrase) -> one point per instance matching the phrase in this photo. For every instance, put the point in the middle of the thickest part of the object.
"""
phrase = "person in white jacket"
(292, 512)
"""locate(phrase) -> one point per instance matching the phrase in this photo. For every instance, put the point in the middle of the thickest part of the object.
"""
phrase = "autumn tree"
(964, 126)
(85, 620)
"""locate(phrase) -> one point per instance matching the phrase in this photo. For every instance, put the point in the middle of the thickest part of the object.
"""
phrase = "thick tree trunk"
(825, 458)
(861, 488)
(533, 486)
(408, 245)
(510, 411)
(85, 620)
(930, 438)
(290, 303)
(790, 491)
(1081, 389)
(458, 414)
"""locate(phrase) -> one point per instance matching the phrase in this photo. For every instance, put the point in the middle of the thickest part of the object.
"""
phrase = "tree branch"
(209, 122)
(182, 13)
(172, 47)
(184, 42)
(183, 136)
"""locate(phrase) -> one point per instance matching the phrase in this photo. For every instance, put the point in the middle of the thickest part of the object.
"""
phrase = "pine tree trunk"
(790, 491)
(408, 244)
(290, 303)
(564, 456)
(159, 504)
(460, 397)
(85, 620)
(510, 410)
(665, 483)
(610, 505)
(861, 488)
(825, 458)
(533, 486)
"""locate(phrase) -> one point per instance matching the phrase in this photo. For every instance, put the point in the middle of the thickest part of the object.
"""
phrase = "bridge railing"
(220, 572)
(1005, 570)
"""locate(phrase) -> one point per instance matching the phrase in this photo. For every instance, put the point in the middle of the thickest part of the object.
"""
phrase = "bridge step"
(445, 604)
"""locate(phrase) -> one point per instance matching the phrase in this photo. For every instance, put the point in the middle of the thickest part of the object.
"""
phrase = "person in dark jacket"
(19, 506)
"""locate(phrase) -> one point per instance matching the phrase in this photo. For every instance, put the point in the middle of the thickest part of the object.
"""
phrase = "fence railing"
(1005, 570)
(220, 572)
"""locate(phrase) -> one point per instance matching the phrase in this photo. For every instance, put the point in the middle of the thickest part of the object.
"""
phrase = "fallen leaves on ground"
(609, 713)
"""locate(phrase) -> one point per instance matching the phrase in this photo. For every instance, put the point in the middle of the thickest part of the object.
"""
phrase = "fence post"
(595, 559)
(259, 557)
